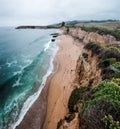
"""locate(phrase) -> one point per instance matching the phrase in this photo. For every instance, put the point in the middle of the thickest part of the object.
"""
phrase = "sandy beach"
(60, 86)
(53, 100)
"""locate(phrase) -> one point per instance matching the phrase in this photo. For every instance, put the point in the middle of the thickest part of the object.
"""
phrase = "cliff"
(94, 102)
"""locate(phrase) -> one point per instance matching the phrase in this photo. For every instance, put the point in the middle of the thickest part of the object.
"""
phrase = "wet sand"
(54, 97)
(60, 86)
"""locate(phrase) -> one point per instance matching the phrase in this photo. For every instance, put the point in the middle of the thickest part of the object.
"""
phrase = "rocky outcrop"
(94, 37)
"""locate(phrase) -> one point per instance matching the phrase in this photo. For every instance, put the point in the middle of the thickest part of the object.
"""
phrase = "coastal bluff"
(77, 95)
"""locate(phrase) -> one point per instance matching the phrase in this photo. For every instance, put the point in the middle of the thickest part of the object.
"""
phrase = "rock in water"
(53, 40)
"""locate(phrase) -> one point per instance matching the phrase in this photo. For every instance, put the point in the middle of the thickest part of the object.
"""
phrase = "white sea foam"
(9, 64)
(18, 72)
(29, 102)
(28, 61)
(17, 83)
(47, 46)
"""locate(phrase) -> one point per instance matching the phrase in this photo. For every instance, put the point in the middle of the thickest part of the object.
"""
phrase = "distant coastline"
(36, 27)
(31, 27)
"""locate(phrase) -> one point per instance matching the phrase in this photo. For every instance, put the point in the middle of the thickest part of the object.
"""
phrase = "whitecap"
(9, 64)
(47, 46)
(17, 72)
(17, 83)
(28, 61)
(29, 102)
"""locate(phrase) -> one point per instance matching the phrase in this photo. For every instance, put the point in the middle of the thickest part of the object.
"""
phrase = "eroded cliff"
(90, 99)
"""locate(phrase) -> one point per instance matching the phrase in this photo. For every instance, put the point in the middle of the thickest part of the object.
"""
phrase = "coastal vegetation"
(102, 108)
(109, 59)
(103, 31)
(104, 102)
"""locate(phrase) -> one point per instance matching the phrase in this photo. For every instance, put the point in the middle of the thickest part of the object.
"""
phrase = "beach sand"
(53, 100)
(35, 116)
(60, 86)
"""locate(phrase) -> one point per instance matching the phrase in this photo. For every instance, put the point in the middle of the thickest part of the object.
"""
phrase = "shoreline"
(60, 86)
(27, 120)
(33, 117)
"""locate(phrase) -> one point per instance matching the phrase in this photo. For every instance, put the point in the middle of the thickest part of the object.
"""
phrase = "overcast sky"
(42, 12)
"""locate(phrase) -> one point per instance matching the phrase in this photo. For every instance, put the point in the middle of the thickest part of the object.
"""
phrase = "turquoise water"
(25, 62)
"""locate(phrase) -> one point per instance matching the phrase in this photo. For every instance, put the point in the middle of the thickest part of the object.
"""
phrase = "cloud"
(15, 12)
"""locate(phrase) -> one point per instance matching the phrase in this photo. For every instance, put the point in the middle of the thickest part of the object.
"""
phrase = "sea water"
(26, 60)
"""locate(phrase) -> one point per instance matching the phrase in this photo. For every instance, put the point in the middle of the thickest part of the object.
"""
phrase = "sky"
(44, 12)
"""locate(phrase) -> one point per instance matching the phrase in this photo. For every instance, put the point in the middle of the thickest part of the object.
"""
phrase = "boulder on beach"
(53, 40)
(54, 35)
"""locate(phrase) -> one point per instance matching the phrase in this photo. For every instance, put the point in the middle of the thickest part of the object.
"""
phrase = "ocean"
(26, 60)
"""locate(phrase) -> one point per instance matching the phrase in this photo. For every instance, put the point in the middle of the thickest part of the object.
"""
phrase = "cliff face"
(86, 71)
(85, 110)
(87, 37)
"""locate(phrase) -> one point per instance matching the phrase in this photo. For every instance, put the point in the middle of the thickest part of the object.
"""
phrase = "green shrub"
(110, 72)
(110, 123)
(108, 53)
(107, 73)
(76, 96)
(117, 65)
(103, 53)
(116, 80)
(108, 90)
(94, 47)
(92, 116)
(107, 62)
(104, 100)
(105, 90)
(114, 48)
